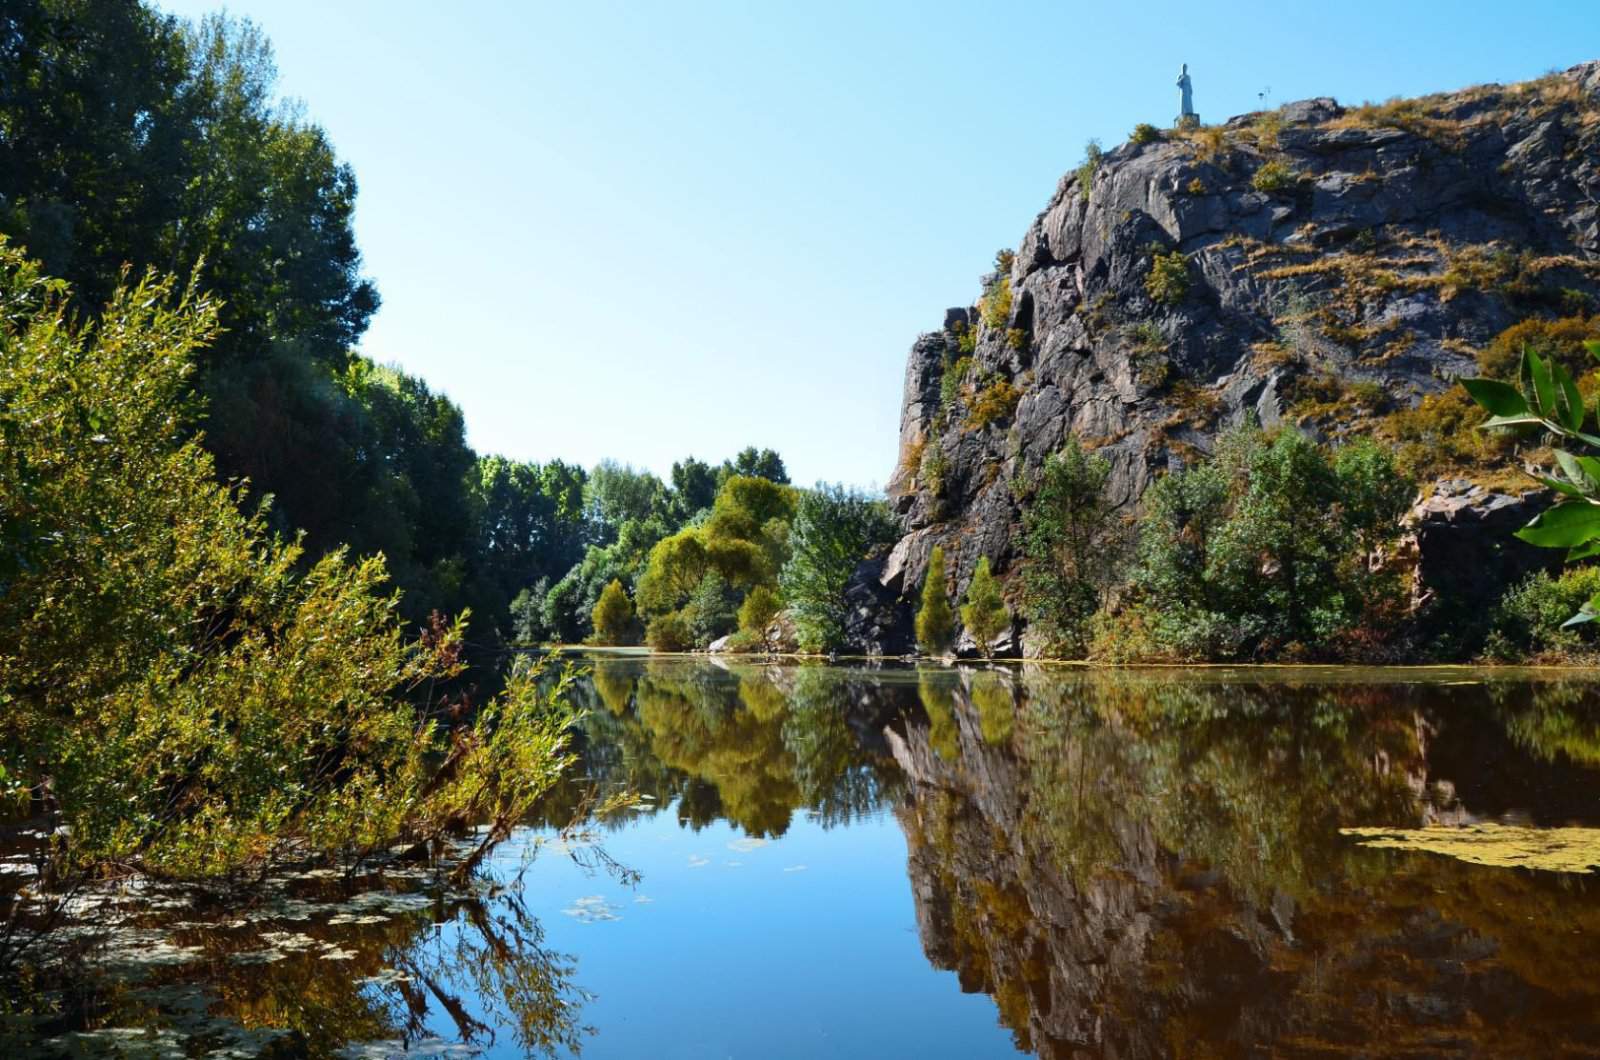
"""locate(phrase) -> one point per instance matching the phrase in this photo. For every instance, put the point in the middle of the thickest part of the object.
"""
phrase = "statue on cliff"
(1187, 118)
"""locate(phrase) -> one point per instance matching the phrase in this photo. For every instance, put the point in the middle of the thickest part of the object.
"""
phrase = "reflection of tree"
(326, 984)
(749, 744)
(1556, 719)
(1153, 866)
(495, 955)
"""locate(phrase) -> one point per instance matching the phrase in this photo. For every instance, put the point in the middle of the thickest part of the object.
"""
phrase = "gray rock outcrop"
(1337, 265)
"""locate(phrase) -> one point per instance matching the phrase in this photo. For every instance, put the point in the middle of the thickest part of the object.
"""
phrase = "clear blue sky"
(647, 230)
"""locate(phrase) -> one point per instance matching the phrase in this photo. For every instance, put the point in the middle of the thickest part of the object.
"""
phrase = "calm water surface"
(854, 862)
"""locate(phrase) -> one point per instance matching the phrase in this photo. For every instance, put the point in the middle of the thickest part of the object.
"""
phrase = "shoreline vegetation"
(238, 558)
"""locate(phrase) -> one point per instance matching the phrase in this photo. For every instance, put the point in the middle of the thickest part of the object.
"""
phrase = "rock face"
(1336, 265)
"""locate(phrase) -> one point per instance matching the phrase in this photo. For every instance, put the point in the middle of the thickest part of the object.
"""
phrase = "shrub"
(1071, 547)
(966, 340)
(1017, 338)
(833, 529)
(1264, 548)
(761, 605)
(1087, 168)
(713, 609)
(184, 690)
(1530, 621)
(985, 614)
(1168, 282)
(995, 306)
(1561, 339)
(934, 469)
(935, 624)
(613, 616)
(669, 632)
(1145, 133)
(1274, 178)
(995, 402)
(954, 377)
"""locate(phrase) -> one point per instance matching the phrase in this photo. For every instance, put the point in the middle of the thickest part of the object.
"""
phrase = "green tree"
(613, 615)
(833, 530)
(196, 700)
(985, 613)
(935, 624)
(1266, 547)
(761, 605)
(1072, 547)
(713, 609)
(754, 463)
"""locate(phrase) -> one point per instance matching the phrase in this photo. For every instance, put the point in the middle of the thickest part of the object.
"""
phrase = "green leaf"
(1566, 489)
(1588, 550)
(1571, 399)
(1564, 526)
(1537, 371)
(1593, 346)
(1579, 475)
(1501, 399)
(1510, 421)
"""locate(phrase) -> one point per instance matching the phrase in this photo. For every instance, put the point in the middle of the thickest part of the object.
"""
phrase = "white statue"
(1186, 114)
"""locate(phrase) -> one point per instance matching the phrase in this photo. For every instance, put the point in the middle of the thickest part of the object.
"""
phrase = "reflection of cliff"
(1142, 871)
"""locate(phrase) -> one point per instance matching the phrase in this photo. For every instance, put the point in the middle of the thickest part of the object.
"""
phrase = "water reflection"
(1131, 864)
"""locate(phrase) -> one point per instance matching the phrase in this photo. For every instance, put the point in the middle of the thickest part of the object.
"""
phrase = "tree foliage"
(984, 613)
(1072, 547)
(1266, 548)
(935, 622)
(180, 691)
(833, 530)
(613, 615)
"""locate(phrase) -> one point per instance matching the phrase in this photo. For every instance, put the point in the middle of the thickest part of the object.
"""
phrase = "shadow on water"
(1129, 863)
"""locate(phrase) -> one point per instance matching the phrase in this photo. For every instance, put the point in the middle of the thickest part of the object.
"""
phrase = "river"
(861, 861)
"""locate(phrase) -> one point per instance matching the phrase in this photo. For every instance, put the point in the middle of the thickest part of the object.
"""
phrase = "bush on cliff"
(985, 613)
(1263, 551)
(935, 622)
(1072, 544)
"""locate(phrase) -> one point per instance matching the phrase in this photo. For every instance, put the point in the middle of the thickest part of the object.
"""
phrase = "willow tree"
(181, 691)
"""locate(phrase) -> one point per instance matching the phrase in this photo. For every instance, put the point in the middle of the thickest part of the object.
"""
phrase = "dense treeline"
(130, 139)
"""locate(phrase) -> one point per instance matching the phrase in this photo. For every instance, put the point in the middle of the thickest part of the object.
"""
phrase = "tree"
(198, 699)
(1072, 546)
(713, 609)
(761, 605)
(1267, 547)
(754, 463)
(985, 614)
(935, 623)
(832, 531)
(613, 615)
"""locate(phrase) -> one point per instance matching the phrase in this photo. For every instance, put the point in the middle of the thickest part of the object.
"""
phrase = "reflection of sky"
(803, 946)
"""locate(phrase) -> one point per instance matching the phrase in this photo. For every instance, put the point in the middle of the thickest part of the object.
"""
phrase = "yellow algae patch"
(1497, 845)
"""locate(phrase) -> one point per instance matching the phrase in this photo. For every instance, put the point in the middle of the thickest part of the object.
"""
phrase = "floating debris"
(1495, 845)
(747, 844)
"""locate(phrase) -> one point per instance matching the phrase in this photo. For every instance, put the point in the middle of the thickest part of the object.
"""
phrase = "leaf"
(1564, 526)
(1576, 473)
(1566, 489)
(1501, 399)
(1510, 421)
(1588, 550)
(1537, 371)
(1572, 400)
(1593, 346)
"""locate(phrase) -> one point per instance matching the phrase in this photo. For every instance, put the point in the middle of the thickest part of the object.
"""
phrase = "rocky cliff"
(1326, 266)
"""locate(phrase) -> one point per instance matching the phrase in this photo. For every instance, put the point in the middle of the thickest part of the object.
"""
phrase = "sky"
(644, 231)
